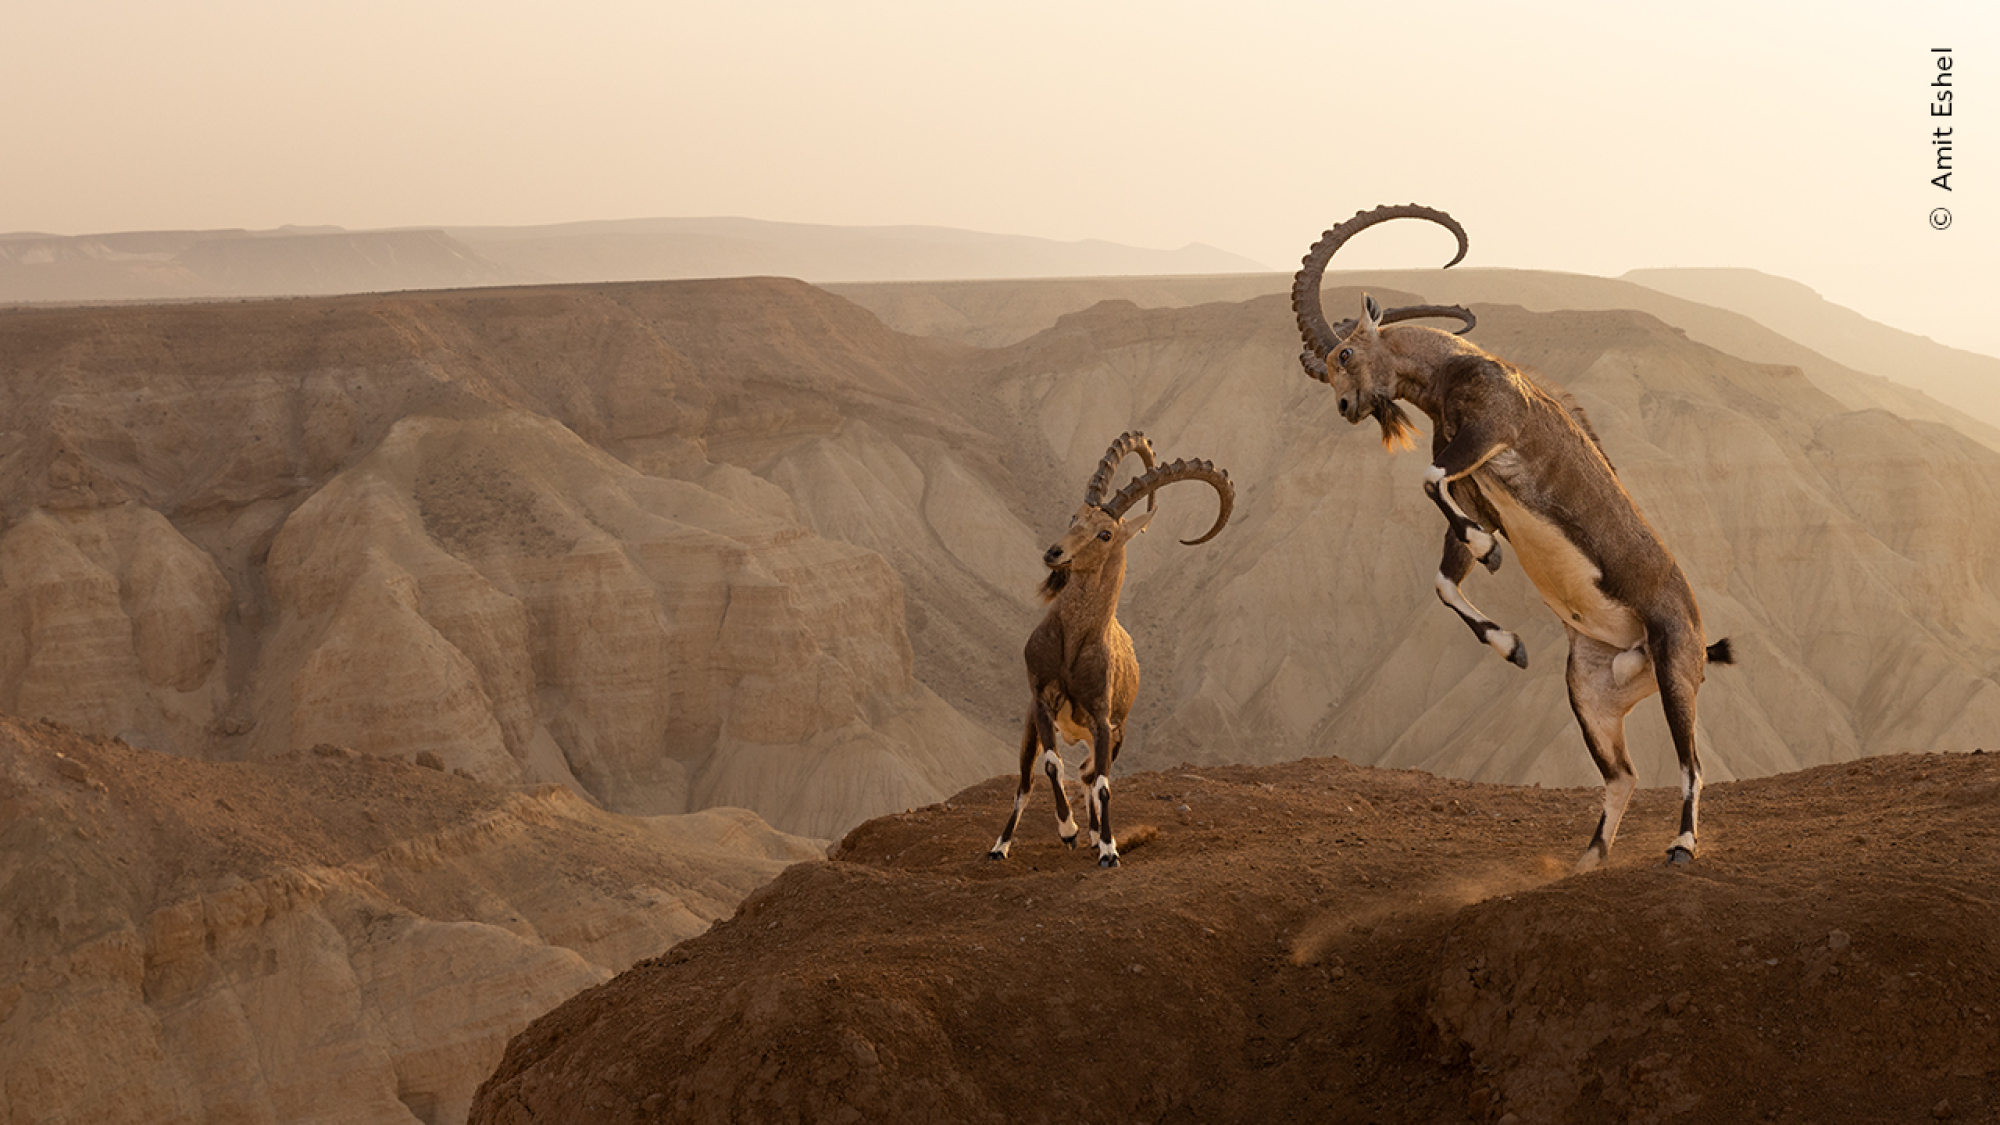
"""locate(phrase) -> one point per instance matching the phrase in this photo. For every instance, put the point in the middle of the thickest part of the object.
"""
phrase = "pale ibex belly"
(1566, 579)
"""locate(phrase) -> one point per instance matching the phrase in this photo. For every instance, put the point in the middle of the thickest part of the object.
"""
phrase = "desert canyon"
(625, 671)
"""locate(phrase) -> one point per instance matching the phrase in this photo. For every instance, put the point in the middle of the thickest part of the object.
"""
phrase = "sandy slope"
(332, 937)
(1321, 941)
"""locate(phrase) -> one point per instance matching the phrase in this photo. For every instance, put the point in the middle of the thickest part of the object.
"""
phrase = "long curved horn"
(1320, 338)
(1417, 312)
(1129, 442)
(1156, 479)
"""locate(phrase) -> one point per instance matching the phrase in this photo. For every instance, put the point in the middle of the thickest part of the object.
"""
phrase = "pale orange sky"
(1794, 138)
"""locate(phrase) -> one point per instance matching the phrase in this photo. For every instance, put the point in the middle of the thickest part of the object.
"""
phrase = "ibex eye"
(1105, 535)
(1345, 355)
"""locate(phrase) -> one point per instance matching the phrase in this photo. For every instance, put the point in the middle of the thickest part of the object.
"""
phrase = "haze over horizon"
(1771, 135)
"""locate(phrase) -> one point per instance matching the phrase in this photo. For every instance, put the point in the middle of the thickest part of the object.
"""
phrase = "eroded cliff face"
(736, 542)
(111, 620)
(483, 527)
(527, 607)
(336, 937)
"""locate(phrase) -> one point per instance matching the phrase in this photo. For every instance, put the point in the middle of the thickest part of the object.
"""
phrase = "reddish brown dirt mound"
(1322, 942)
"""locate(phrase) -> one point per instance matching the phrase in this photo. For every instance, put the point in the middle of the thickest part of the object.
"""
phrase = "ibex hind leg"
(1679, 664)
(1601, 702)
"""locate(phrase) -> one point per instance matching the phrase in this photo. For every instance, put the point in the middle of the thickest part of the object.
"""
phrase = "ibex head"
(1100, 526)
(1350, 356)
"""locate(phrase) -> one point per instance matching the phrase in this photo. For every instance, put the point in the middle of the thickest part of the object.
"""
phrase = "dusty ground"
(1324, 942)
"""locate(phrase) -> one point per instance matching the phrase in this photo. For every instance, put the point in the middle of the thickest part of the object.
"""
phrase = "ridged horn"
(1155, 479)
(1416, 312)
(1128, 443)
(1321, 338)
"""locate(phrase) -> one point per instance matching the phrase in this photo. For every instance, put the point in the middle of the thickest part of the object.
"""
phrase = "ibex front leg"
(1463, 455)
(1038, 742)
(1452, 569)
(1097, 787)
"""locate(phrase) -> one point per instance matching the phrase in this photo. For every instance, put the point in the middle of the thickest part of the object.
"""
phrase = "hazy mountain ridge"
(1966, 380)
(295, 261)
(1863, 364)
(190, 265)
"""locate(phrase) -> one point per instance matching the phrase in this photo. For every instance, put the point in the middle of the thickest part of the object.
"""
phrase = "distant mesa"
(311, 261)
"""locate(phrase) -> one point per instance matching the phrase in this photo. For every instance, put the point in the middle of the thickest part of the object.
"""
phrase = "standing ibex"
(1513, 457)
(1081, 668)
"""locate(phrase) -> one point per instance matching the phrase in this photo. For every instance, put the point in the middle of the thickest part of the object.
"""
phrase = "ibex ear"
(1374, 311)
(1137, 523)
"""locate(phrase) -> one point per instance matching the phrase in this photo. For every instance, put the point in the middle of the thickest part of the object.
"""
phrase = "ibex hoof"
(996, 855)
(1069, 842)
(1678, 856)
(1518, 657)
(1107, 861)
(1491, 559)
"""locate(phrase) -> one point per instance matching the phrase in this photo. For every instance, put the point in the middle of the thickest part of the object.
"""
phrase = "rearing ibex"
(1513, 457)
(1081, 667)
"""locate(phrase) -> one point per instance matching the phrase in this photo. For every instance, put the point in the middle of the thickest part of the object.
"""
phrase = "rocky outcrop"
(497, 592)
(111, 620)
(1320, 941)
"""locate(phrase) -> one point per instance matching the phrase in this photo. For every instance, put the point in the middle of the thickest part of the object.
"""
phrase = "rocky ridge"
(1323, 941)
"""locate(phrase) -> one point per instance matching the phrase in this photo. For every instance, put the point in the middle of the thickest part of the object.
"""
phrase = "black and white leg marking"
(1452, 569)
(1678, 660)
(1605, 683)
(1038, 744)
(1437, 480)
(1029, 746)
(1052, 765)
(1097, 782)
(1100, 803)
